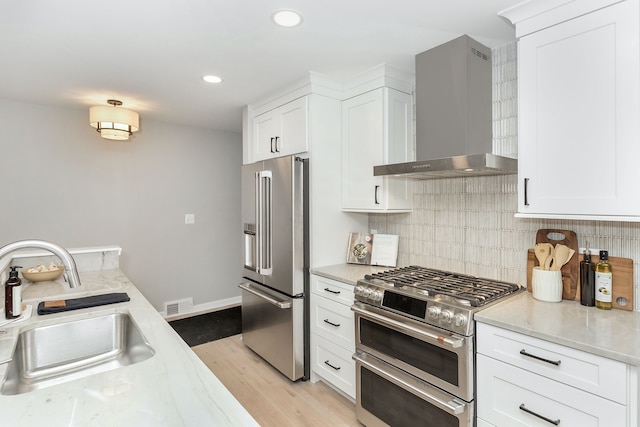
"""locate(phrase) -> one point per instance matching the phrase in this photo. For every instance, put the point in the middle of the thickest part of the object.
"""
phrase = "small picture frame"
(373, 249)
(360, 248)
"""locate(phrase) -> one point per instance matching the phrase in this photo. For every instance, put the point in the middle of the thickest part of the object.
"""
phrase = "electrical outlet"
(189, 219)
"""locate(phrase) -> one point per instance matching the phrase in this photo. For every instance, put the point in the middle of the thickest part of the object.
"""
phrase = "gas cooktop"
(470, 290)
(440, 298)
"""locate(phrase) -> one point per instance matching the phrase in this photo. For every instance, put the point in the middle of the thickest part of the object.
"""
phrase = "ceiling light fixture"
(287, 18)
(114, 122)
(212, 79)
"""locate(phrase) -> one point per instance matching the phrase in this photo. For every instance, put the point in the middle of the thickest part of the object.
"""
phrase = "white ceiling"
(152, 54)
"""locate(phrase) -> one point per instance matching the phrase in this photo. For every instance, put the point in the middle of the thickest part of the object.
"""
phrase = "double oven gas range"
(415, 349)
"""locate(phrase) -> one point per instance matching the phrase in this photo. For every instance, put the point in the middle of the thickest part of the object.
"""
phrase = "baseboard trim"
(206, 308)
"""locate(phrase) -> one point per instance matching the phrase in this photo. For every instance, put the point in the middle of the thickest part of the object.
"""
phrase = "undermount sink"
(55, 354)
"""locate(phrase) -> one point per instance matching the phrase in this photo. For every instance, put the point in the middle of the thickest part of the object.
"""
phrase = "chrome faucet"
(62, 253)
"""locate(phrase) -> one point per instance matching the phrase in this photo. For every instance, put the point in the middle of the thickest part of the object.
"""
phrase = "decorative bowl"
(42, 276)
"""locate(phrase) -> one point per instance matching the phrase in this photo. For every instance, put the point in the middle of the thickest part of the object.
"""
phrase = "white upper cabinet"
(579, 110)
(282, 131)
(377, 128)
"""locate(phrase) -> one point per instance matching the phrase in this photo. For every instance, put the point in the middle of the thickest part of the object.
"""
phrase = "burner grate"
(476, 291)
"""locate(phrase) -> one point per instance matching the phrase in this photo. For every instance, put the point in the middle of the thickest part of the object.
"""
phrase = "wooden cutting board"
(622, 285)
(571, 270)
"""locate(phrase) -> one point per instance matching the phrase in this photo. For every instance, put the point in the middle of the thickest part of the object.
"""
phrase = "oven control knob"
(433, 312)
(459, 320)
(366, 293)
(376, 296)
(446, 316)
(358, 290)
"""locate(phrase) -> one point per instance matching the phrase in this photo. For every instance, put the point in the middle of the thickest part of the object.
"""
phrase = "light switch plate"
(189, 219)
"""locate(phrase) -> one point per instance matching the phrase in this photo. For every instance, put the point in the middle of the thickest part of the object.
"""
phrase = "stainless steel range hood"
(453, 115)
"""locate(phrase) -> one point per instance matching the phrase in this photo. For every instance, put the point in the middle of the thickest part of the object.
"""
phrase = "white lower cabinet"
(333, 321)
(334, 365)
(510, 396)
(332, 334)
(525, 381)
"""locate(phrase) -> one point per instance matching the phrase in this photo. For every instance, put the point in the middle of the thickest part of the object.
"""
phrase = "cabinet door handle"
(526, 191)
(332, 291)
(337, 325)
(336, 368)
(533, 356)
(375, 195)
(542, 417)
(272, 150)
(277, 144)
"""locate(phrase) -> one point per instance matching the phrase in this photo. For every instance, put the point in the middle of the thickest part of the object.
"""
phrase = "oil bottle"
(604, 280)
(587, 280)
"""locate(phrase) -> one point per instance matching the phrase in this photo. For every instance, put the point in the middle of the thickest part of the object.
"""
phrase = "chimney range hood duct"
(453, 115)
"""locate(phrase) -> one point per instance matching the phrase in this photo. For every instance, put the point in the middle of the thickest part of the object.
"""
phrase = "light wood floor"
(268, 395)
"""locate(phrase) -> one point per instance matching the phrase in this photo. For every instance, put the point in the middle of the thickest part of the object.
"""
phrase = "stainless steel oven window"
(427, 357)
(387, 396)
(398, 407)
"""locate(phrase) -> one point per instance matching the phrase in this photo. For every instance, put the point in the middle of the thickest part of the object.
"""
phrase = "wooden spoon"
(542, 251)
(561, 256)
(569, 256)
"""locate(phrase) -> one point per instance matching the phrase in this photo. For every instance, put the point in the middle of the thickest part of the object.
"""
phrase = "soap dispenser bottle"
(13, 295)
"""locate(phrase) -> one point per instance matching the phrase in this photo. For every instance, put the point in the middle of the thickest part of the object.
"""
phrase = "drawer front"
(333, 321)
(332, 289)
(483, 423)
(595, 374)
(334, 365)
(510, 396)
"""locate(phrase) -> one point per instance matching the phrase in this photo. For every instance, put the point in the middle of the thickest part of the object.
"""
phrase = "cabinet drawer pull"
(542, 417)
(533, 356)
(332, 291)
(337, 325)
(336, 368)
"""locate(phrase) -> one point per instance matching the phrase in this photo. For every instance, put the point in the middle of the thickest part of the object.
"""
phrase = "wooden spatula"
(542, 251)
(547, 263)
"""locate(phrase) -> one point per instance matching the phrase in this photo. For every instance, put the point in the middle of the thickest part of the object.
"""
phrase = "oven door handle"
(451, 342)
(451, 406)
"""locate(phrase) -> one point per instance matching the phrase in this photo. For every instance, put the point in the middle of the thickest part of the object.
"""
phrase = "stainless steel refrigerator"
(275, 286)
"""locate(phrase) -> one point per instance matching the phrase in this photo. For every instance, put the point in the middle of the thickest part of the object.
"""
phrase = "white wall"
(64, 183)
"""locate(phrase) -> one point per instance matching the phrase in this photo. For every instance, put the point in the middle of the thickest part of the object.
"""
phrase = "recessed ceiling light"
(212, 79)
(287, 18)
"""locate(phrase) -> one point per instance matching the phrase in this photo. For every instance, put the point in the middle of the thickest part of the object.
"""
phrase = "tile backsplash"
(467, 225)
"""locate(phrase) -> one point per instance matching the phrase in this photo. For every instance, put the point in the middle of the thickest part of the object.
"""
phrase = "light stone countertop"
(347, 273)
(614, 334)
(173, 388)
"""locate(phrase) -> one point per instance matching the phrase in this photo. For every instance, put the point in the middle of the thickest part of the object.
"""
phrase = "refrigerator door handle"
(247, 287)
(264, 222)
